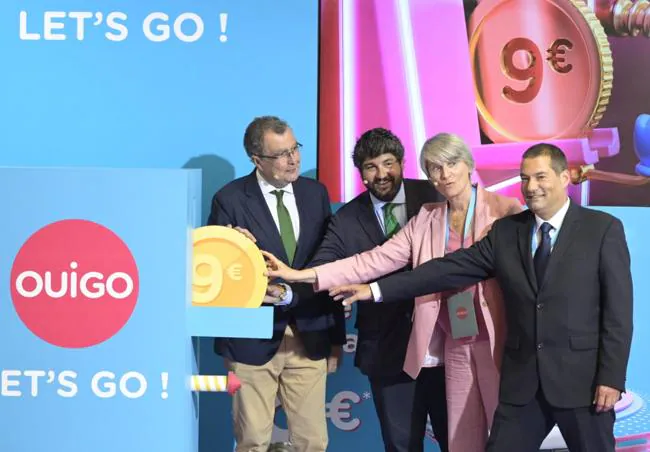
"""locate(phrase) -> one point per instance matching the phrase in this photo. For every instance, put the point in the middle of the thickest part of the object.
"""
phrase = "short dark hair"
(254, 135)
(558, 159)
(375, 142)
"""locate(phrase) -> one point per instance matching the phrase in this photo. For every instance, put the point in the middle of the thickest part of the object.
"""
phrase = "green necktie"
(286, 227)
(390, 221)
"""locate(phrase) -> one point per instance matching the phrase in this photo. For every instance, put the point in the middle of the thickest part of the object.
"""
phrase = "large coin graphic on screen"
(542, 69)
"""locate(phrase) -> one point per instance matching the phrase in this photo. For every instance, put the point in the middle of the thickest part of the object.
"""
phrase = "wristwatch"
(283, 293)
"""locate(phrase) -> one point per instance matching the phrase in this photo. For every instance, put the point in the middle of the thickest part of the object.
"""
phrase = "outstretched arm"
(454, 271)
(393, 255)
(381, 260)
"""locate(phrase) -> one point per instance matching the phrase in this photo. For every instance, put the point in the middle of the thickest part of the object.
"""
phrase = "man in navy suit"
(287, 214)
(384, 329)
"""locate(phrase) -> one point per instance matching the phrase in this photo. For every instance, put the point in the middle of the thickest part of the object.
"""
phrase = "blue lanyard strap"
(468, 220)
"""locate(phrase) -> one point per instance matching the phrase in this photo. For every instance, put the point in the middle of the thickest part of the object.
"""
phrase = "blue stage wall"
(142, 103)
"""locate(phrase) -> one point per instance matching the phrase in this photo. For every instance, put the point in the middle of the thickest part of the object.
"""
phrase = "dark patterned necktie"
(543, 253)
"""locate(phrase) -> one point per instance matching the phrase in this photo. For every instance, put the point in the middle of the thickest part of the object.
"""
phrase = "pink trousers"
(472, 381)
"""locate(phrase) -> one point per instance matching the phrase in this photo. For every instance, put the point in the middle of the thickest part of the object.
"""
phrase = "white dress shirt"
(555, 221)
(400, 214)
(289, 201)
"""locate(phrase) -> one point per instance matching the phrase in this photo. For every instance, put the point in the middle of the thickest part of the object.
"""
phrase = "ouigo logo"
(74, 283)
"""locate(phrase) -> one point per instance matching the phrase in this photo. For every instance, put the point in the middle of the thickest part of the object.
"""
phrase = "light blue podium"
(131, 391)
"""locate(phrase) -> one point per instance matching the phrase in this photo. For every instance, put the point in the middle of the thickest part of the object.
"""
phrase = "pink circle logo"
(461, 313)
(74, 283)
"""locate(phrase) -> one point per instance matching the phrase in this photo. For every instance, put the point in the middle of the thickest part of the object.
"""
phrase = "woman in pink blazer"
(471, 363)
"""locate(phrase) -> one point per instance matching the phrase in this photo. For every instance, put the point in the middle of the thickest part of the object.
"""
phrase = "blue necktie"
(543, 253)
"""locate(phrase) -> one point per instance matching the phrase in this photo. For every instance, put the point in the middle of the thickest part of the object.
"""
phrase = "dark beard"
(387, 197)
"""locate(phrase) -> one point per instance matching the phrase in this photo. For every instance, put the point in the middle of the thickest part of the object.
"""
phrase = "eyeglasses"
(282, 154)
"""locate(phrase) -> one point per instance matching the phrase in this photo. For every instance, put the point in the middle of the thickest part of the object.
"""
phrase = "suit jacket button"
(540, 346)
(540, 306)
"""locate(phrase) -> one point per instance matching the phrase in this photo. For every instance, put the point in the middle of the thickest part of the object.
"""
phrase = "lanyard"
(468, 220)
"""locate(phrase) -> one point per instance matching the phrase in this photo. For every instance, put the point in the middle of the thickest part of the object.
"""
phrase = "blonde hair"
(445, 148)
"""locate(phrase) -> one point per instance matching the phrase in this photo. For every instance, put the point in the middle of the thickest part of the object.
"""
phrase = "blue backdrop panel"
(141, 103)
(230, 322)
(170, 104)
(152, 211)
(633, 417)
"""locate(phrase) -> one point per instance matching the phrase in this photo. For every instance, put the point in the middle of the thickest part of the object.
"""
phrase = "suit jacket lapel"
(262, 215)
(524, 241)
(439, 231)
(413, 201)
(566, 236)
(481, 214)
(368, 220)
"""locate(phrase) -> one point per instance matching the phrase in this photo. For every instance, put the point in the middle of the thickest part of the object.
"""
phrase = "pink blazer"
(422, 239)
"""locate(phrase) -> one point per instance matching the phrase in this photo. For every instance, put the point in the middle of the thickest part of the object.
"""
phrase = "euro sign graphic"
(556, 55)
(234, 272)
(338, 410)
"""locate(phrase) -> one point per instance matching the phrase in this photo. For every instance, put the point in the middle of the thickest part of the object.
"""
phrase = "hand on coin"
(275, 268)
(244, 231)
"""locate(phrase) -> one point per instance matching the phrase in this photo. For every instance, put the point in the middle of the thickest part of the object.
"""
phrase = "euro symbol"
(234, 272)
(556, 55)
(338, 410)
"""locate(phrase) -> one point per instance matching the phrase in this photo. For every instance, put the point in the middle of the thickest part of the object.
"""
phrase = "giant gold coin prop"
(227, 269)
